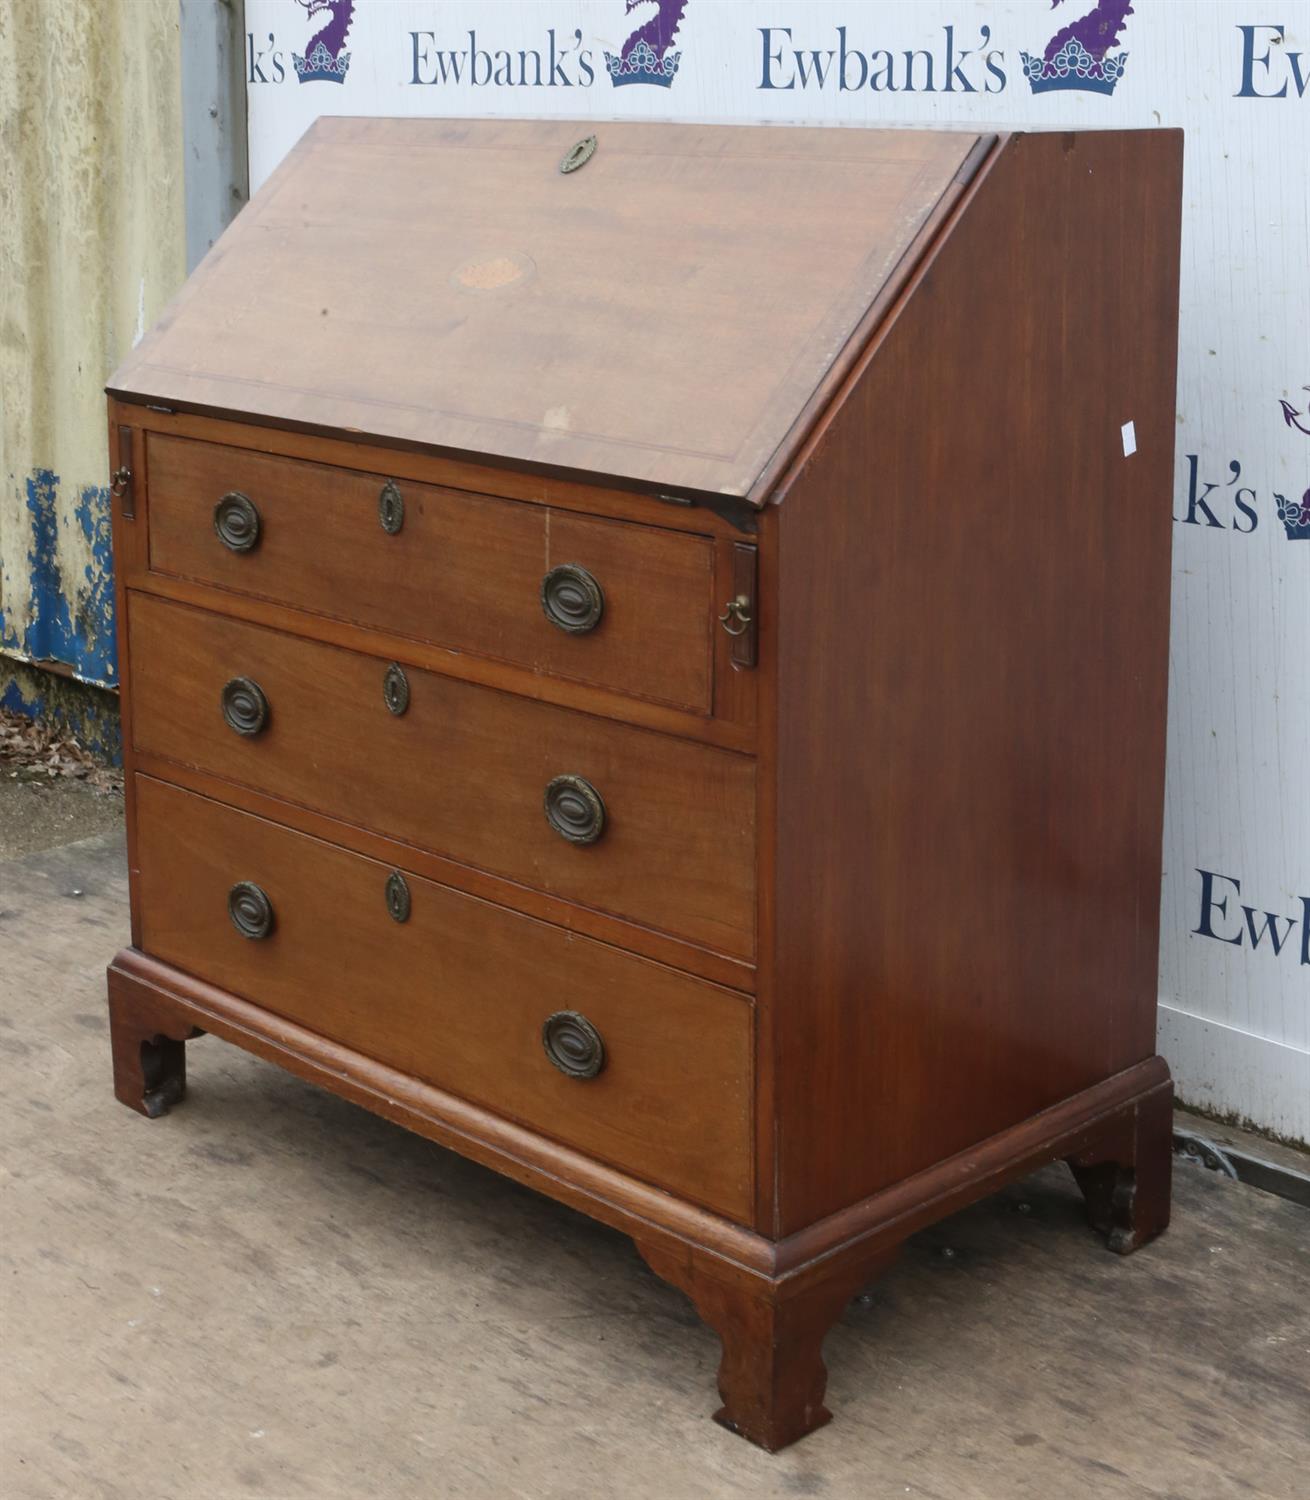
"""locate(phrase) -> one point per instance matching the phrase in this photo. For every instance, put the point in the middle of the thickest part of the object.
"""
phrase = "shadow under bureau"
(644, 661)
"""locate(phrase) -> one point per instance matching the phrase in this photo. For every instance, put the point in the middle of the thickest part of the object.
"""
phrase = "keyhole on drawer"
(397, 894)
(395, 689)
(391, 508)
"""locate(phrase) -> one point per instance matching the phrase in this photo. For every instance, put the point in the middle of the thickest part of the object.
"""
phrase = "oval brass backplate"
(250, 909)
(245, 708)
(236, 522)
(571, 599)
(579, 155)
(575, 809)
(573, 1044)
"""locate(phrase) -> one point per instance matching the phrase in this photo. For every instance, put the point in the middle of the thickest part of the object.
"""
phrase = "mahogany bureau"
(644, 662)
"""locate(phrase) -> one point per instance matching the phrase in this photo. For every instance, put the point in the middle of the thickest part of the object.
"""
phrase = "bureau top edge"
(453, 468)
(644, 318)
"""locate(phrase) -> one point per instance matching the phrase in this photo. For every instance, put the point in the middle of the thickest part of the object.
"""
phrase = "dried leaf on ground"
(33, 751)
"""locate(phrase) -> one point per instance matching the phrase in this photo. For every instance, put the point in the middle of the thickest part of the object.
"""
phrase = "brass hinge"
(121, 483)
(740, 617)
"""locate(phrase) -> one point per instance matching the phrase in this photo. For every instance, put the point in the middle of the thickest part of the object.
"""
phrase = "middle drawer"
(637, 824)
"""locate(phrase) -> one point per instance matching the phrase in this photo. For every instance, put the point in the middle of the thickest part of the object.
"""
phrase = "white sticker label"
(1129, 434)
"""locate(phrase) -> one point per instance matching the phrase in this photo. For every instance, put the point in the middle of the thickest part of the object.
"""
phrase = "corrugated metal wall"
(92, 244)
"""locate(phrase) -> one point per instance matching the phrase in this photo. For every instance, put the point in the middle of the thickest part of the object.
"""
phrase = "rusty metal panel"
(92, 244)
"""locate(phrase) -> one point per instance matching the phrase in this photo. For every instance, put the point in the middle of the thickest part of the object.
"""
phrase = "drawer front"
(458, 994)
(463, 770)
(456, 569)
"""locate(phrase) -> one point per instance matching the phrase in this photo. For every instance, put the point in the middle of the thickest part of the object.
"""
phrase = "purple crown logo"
(1078, 56)
(1074, 67)
(321, 64)
(647, 55)
(325, 58)
(1295, 516)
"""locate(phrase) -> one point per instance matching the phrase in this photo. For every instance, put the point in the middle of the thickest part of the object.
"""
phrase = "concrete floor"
(36, 813)
(270, 1293)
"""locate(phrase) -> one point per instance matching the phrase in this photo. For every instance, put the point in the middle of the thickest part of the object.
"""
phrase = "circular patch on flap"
(495, 273)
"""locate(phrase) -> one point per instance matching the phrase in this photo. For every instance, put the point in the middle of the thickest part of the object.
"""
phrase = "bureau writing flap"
(667, 312)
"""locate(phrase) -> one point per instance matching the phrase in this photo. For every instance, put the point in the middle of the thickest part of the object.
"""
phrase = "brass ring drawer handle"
(250, 909)
(573, 1044)
(245, 708)
(236, 522)
(574, 809)
(572, 599)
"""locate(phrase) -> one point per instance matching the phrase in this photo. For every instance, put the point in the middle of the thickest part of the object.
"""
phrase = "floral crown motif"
(642, 65)
(1295, 516)
(321, 64)
(1074, 67)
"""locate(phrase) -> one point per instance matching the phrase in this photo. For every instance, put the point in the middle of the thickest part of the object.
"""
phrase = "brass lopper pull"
(736, 618)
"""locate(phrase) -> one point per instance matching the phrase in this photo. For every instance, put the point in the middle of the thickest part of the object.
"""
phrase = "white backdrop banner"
(1235, 74)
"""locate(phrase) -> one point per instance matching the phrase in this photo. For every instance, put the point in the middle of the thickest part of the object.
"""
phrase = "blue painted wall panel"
(65, 619)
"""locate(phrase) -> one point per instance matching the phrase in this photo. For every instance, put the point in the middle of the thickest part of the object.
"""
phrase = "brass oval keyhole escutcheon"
(573, 1044)
(572, 599)
(574, 809)
(579, 155)
(397, 893)
(250, 909)
(395, 689)
(245, 708)
(236, 522)
(391, 508)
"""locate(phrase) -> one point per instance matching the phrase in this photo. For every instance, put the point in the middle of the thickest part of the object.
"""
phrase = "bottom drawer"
(458, 993)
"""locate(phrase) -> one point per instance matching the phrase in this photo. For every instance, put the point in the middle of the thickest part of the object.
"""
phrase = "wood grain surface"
(972, 636)
(462, 772)
(458, 994)
(651, 317)
(916, 812)
(464, 571)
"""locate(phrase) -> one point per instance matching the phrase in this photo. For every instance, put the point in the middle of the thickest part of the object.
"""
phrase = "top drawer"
(602, 602)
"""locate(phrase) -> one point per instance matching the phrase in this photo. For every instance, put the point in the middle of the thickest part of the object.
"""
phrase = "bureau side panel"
(128, 501)
(973, 602)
